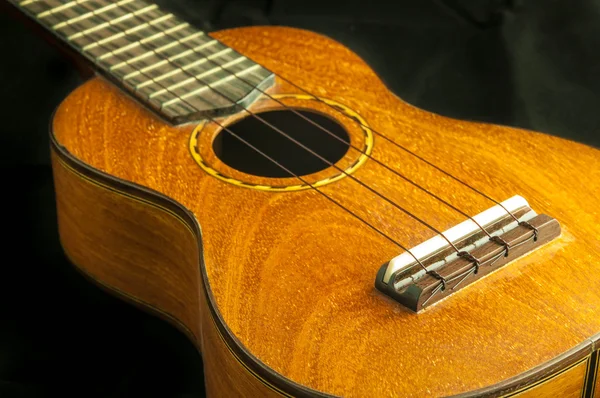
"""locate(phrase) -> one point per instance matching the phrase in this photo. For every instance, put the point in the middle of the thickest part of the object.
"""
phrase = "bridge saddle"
(443, 270)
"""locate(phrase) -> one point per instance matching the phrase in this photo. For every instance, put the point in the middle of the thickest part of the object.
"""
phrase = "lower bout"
(130, 241)
(125, 241)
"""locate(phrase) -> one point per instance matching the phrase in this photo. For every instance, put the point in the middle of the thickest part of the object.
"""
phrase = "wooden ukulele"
(312, 234)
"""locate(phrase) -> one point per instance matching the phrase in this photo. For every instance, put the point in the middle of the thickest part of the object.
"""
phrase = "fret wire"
(180, 69)
(116, 21)
(91, 13)
(60, 8)
(155, 51)
(144, 40)
(106, 24)
(184, 82)
(119, 50)
(177, 56)
(211, 86)
(145, 69)
(149, 23)
(196, 49)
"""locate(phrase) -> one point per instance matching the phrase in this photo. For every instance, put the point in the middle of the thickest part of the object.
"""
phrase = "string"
(391, 141)
(460, 253)
(494, 239)
(433, 273)
(279, 164)
(327, 131)
(405, 149)
(274, 128)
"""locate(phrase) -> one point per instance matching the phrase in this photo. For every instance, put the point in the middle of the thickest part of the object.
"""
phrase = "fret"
(166, 72)
(180, 44)
(163, 62)
(166, 29)
(59, 8)
(181, 109)
(124, 32)
(71, 13)
(81, 31)
(199, 77)
(27, 2)
(189, 51)
(173, 74)
(35, 7)
(111, 38)
(172, 67)
(186, 67)
(115, 23)
(91, 13)
(225, 60)
(121, 20)
(206, 87)
(143, 41)
(176, 30)
(179, 58)
(203, 46)
(98, 36)
(159, 62)
(209, 97)
(98, 51)
(119, 50)
(223, 84)
(207, 76)
(209, 101)
(248, 78)
(229, 65)
(131, 68)
(158, 50)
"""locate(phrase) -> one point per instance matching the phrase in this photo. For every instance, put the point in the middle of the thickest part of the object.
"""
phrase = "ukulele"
(312, 234)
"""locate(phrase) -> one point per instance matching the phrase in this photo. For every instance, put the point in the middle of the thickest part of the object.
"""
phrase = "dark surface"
(285, 157)
(533, 64)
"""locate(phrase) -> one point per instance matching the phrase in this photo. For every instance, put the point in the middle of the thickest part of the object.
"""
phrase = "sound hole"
(289, 154)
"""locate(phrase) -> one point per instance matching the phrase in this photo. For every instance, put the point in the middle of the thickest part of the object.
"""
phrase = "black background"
(528, 63)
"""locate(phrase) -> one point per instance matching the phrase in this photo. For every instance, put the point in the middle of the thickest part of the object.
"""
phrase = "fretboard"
(172, 67)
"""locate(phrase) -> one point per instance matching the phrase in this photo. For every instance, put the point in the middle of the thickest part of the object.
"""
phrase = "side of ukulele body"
(274, 284)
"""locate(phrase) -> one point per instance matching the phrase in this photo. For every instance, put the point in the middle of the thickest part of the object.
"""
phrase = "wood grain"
(155, 265)
(145, 254)
(291, 274)
(568, 384)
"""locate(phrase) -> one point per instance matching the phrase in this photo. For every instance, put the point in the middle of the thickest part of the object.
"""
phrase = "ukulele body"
(274, 283)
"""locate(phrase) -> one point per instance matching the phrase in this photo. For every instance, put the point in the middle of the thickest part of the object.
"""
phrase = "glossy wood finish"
(553, 378)
(129, 246)
(568, 384)
(291, 274)
(154, 265)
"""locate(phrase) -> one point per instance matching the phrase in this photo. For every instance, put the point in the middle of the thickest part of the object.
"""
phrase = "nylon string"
(313, 152)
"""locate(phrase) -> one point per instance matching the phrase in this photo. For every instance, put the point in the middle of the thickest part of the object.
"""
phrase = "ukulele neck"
(173, 68)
